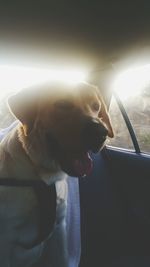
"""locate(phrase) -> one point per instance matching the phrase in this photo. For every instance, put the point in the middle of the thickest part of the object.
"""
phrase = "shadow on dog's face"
(64, 123)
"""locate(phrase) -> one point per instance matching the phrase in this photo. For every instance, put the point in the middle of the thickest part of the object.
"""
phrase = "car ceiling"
(101, 36)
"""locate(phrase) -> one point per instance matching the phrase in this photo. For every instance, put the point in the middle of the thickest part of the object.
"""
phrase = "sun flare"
(13, 78)
(131, 82)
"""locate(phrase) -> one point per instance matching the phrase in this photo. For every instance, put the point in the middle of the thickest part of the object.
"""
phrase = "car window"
(122, 138)
(138, 111)
(6, 117)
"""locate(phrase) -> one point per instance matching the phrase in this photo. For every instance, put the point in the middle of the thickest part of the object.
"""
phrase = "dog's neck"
(20, 159)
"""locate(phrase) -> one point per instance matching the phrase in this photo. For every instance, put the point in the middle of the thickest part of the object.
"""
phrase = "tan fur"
(39, 110)
(24, 152)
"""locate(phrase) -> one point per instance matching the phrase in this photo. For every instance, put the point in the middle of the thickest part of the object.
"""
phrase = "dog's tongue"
(83, 166)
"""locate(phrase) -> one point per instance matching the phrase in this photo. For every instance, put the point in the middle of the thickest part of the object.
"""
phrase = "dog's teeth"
(83, 166)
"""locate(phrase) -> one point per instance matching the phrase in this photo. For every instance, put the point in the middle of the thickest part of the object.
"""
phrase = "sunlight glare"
(131, 82)
(13, 78)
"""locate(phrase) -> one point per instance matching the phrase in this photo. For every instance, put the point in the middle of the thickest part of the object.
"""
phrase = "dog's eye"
(95, 106)
(63, 104)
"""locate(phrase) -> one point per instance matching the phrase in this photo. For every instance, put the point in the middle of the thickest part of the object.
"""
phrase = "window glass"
(138, 110)
(122, 137)
(6, 117)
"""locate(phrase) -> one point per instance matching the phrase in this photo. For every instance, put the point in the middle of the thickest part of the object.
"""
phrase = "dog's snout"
(94, 135)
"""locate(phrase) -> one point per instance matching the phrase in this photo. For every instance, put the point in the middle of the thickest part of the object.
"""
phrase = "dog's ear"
(23, 105)
(103, 114)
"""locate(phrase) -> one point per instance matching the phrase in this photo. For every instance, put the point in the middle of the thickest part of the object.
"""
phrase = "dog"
(59, 124)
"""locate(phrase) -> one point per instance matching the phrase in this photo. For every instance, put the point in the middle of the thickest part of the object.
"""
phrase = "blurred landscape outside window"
(6, 118)
(138, 110)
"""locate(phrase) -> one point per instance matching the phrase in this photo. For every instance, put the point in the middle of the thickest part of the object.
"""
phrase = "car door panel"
(115, 210)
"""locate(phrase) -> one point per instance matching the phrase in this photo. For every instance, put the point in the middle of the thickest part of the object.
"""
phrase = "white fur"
(18, 212)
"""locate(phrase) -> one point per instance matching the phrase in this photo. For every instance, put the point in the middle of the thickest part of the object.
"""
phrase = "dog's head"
(62, 122)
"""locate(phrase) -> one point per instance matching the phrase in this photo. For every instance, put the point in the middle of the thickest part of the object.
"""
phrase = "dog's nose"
(94, 135)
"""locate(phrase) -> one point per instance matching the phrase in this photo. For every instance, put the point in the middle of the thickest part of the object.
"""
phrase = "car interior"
(105, 39)
(115, 210)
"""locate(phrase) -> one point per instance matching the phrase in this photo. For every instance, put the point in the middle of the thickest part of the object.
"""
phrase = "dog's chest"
(20, 226)
(18, 212)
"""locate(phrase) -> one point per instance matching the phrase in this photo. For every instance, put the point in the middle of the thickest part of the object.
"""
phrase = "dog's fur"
(43, 146)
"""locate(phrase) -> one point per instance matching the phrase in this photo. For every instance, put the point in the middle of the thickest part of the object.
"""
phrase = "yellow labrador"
(59, 126)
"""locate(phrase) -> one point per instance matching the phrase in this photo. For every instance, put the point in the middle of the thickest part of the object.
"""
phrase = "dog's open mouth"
(83, 165)
(77, 164)
(80, 167)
